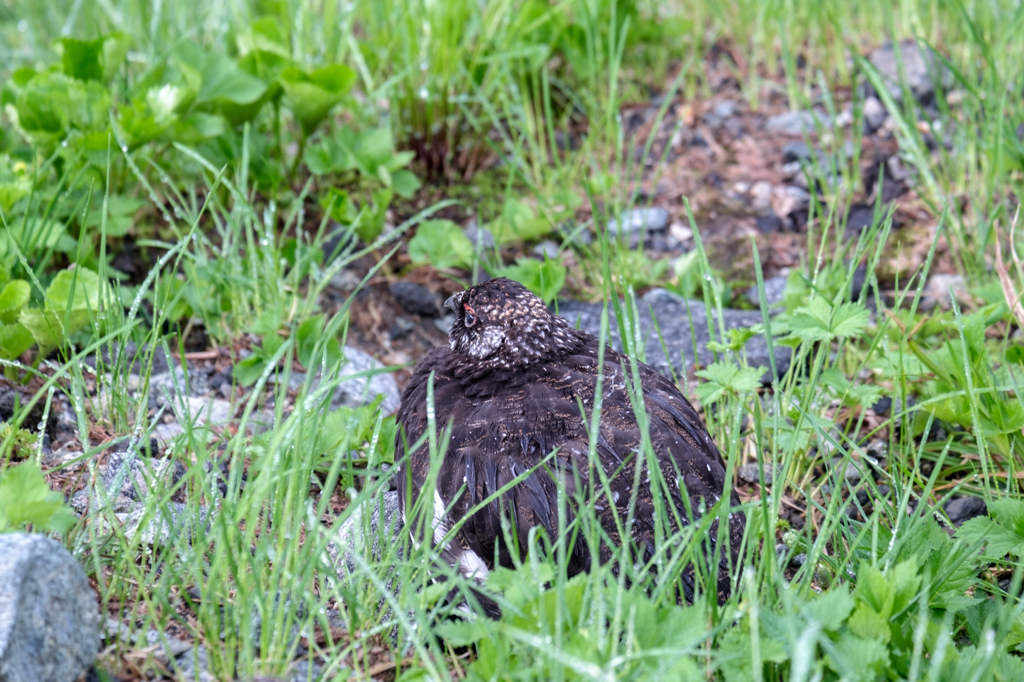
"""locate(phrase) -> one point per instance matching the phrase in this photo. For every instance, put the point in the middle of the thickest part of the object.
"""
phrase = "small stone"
(851, 471)
(49, 621)
(774, 289)
(416, 298)
(922, 69)
(546, 249)
(165, 646)
(165, 433)
(937, 289)
(193, 666)
(750, 473)
(795, 151)
(479, 237)
(860, 218)
(654, 219)
(444, 324)
(167, 387)
(768, 222)
(965, 508)
(681, 233)
(160, 526)
(671, 326)
(371, 533)
(356, 392)
(845, 117)
(346, 280)
(792, 169)
(895, 168)
(874, 114)
(797, 122)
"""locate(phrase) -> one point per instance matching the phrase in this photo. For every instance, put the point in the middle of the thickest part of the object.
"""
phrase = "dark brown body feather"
(505, 420)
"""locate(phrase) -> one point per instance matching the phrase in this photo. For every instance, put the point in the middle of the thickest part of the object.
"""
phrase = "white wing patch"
(440, 525)
(472, 566)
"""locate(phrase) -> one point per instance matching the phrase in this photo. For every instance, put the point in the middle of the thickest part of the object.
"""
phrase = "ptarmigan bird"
(516, 382)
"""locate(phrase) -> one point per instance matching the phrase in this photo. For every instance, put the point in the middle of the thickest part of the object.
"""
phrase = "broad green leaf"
(265, 34)
(441, 244)
(82, 59)
(312, 96)
(26, 499)
(14, 296)
(15, 339)
(47, 327)
(544, 278)
(518, 221)
(247, 371)
(75, 288)
(405, 183)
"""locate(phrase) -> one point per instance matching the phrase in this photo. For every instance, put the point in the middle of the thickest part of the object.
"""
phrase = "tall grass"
(244, 568)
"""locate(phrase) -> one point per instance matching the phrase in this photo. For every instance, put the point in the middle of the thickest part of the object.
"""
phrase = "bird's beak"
(454, 301)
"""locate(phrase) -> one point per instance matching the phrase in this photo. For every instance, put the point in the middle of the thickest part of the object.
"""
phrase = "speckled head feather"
(501, 324)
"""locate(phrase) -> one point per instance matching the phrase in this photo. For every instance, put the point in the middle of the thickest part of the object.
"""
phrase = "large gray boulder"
(49, 621)
(682, 325)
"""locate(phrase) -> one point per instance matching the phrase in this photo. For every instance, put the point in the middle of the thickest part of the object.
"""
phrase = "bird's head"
(500, 324)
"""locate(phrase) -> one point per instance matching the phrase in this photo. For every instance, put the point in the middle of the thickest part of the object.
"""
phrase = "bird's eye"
(470, 317)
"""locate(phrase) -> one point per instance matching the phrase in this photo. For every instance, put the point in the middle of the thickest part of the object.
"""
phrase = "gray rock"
(480, 237)
(128, 475)
(204, 412)
(49, 621)
(937, 288)
(654, 219)
(774, 289)
(416, 298)
(194, 666)
(133, 359)
(678, 330)
(164, 646)
(358, 391)
(374, 527)
(164, 388)
(576, 234)
(444, 324)
(162, 525)
(874, 113)
(362, 535)
(797, 122)
(965, 508)
(795, 151)
(853, 472)
(751, 473)
(922, 68)
(546, 249)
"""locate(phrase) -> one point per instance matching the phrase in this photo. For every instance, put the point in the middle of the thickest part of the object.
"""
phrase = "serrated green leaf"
(830, 609)
(26, 499)
(726, 377)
